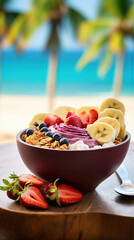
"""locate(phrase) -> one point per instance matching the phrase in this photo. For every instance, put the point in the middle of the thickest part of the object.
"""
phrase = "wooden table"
(102, 214)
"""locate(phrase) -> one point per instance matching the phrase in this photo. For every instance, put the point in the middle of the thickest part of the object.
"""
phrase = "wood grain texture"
(102, 214)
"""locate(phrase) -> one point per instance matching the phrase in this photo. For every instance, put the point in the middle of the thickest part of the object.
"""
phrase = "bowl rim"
(18, 137)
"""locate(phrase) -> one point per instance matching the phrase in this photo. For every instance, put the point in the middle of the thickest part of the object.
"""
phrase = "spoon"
(127, 187)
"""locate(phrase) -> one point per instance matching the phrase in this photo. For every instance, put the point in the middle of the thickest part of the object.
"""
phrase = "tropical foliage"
(108, 34)
(53, 11)
(6, 17)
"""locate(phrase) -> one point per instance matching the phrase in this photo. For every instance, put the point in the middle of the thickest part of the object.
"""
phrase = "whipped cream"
(79, 145)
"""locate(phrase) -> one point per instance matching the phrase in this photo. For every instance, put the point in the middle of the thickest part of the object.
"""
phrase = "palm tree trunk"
(51, 80)
(118, 75)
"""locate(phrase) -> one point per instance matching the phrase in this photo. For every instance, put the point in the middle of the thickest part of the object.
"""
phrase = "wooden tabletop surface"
(102, 214)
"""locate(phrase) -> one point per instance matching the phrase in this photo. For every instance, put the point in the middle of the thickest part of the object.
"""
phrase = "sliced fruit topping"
(88, 117)
(29, 131)
(84, 116)
(113, 122)
(50, 119)
(38, 118)
(122, 133)
(93, 116)
(86, 109)
(73, 119)
(113, 113)
(62, 194)
(69, 114)
(53, 119)
(102, 132)
(112, 103)
(59, 119)
(32, 198)
(63, 110)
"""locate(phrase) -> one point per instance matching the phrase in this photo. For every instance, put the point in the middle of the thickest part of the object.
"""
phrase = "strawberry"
(88, 117)
(50, 120)
(73, 120)
(44, 185)
(93, 116)
(68, 195)
(11, 188)
(84, 116)
(69, 114)
(32, 198)
(50, 191)
(11, 195)
(59, 119)
(53, 119)
(62, 194)
(29, 179)
(29, 196)
(17, 184)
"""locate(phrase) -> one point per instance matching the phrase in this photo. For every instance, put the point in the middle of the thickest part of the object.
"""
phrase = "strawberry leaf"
(6, 182)
(4, 188)
(13, 176)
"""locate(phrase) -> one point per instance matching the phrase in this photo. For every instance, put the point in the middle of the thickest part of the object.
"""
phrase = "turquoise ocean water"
(26, 74)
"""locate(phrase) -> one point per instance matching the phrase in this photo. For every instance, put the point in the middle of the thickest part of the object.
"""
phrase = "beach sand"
(17, 111)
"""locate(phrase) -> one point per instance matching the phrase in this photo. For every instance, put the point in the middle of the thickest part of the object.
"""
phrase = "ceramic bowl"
(83, 169)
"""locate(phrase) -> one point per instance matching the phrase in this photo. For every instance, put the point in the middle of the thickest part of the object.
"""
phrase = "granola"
(39, 139)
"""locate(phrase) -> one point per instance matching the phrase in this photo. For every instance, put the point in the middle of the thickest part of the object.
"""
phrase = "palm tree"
(24, 26)
(114, 24)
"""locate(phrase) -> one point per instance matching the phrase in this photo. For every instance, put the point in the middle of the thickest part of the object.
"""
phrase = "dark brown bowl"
(83, 169)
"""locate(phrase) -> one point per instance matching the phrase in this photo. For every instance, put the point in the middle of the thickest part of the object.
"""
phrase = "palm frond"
(106, 63)
(14, 30)
(75, 18)
(115, 8)
(93, 50)
(130, 13)
(116, 42)
(87, 29)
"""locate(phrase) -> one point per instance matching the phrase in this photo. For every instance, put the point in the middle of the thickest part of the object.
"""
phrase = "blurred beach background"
(74, 62)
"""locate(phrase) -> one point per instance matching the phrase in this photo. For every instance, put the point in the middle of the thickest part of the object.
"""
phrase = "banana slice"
(113, 122)
(102, 132)
(112, 103)
(113, 113)
(38, 118)
(63, 110)
(86, 109)
(122, 133)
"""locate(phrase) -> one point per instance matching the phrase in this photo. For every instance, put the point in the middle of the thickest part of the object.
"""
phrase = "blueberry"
(44, 129)
(57, 137)
(41, 125)
(64, 141)
(49, 134)
(36, 124)
(29, 131)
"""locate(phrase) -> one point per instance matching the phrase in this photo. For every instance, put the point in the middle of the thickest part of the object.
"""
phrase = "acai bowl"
(82, 146)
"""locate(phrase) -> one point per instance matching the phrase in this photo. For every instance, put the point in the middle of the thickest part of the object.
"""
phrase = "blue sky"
(87, 7)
